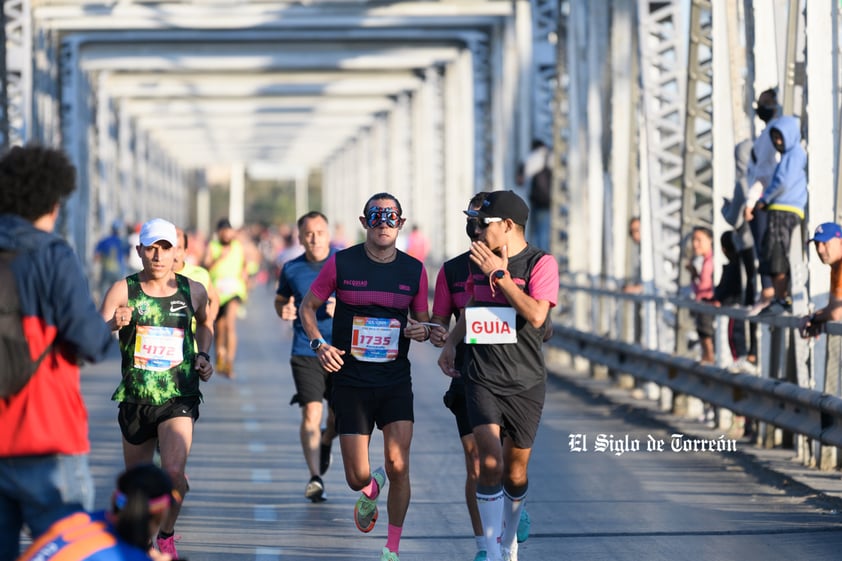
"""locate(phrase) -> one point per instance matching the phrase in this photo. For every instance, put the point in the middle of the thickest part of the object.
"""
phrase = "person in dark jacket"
(729, 292)
(44, 473)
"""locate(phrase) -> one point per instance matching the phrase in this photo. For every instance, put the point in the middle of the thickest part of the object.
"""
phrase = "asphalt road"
(248, 477)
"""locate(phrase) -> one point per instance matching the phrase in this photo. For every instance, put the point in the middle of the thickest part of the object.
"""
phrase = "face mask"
(377, 216)
(765, 113)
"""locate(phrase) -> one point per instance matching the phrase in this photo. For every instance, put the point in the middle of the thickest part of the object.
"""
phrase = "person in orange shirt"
(828, 240)
(139, 504)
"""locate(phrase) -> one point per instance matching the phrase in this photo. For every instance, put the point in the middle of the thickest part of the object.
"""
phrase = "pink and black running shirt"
(452, 295)
(511, 368)
(367, 289)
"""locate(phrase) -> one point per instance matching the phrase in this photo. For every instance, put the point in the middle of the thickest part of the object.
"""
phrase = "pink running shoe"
(167, 545)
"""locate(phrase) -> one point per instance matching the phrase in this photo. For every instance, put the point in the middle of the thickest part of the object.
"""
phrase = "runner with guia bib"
(512, 285)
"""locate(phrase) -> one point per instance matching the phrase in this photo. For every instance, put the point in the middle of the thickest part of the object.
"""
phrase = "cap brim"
(156, 240)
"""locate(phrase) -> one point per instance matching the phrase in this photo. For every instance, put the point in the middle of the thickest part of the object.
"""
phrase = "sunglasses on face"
(482, 223)
(377, 216)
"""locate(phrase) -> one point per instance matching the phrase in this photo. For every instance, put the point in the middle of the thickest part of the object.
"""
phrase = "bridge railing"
(595, 328)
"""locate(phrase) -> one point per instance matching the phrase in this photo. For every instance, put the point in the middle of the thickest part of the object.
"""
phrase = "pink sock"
(393, 539)
(372, 489)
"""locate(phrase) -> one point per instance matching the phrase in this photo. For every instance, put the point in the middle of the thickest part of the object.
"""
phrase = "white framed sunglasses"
(489, 220)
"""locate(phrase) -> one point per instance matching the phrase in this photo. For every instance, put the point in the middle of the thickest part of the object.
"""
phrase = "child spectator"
(729, 292)
(701, 271)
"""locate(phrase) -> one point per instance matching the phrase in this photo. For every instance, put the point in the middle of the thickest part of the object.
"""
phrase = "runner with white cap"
(163, 361)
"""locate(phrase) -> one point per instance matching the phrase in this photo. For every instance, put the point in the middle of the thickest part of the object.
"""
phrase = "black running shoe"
(315, 490)
(325, 457)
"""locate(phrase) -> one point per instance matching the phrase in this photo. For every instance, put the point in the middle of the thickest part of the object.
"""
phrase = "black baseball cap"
(502, 204)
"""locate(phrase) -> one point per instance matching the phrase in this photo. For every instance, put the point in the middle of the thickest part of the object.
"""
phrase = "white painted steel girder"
(663, 78)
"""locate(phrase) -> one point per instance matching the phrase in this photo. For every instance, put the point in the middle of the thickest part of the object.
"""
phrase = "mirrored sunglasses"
(378, 215)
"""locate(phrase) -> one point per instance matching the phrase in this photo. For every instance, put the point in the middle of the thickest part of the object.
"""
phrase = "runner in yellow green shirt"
(226, 261)
(195, 272)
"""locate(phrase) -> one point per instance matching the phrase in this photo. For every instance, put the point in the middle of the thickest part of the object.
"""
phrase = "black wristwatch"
(499, 274)
(315, 344)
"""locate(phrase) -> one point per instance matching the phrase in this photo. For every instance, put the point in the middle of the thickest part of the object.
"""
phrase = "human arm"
(79, 326)
(533, 310)
(633, 288)
(752, 196)
(115, 308)
(788, 180)
(217, 252)
(438, 336)
(447, 358)
(418, 313)
(320, 291)
(815, 324)
(204, 329)
(285, 307)
(285, 298)
(443, 308)
(330, 357)
(213, 301)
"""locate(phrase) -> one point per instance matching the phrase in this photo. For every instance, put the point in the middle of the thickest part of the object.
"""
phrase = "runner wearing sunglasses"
(451, 297)
(511, 286)
(381, 298)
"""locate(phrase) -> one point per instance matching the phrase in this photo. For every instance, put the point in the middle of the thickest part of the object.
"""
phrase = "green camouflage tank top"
(158, 347)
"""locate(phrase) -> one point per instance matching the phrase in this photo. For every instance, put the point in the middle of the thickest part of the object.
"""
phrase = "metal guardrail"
(790, 322)
(778, 402)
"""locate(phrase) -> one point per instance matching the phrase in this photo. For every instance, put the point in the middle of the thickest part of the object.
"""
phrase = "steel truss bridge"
(641, 101)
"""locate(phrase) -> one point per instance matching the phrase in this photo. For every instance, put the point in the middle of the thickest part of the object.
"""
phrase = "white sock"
(491, 513)
(480, 541)
(512, 507)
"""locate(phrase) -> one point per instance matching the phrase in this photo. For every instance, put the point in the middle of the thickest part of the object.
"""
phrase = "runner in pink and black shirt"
(513, 286)
(381, 303)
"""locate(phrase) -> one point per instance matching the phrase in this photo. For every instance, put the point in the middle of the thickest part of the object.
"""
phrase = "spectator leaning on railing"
(828, 240)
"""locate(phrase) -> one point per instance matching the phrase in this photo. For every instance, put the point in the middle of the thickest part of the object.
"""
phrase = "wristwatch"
(315, 344)
(499, 274)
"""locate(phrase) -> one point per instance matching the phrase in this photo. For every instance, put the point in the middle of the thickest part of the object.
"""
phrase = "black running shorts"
(358, 410)
(139, 422)
(312, 382)
(454, 400)
(517, 415)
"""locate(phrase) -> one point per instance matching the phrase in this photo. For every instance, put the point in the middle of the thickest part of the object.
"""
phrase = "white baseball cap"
(157, 230)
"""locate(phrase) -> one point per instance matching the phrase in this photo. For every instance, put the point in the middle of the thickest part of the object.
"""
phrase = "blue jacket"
(788, 189)
(48, 416)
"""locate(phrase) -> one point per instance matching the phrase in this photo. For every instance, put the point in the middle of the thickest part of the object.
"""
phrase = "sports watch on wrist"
(315, 344)
(499, 274)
